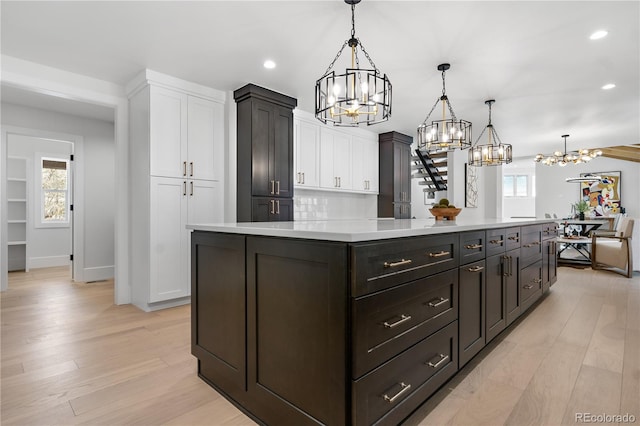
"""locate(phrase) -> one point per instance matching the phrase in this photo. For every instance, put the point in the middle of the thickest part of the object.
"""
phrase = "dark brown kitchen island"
(355, 322)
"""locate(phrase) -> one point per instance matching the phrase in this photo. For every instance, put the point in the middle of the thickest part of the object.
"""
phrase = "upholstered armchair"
(612, 250)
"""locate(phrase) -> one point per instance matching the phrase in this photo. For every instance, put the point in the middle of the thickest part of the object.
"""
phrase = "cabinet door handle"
(191, 194)
(403, 318)
(277, 206)
(496, 241)
(335, 182)
(437, 302)
(191, 168)
(339, 182)
(397, 263)
(439, 254)
(392, 399)
(278, 187)
(184, 188)
(298, 178)
(302, 177)
(537, 280)
(273, 187)
(437, 364)
(473, 246)
(527, 287)
(273, 206)
(475, 268)
(184, 168)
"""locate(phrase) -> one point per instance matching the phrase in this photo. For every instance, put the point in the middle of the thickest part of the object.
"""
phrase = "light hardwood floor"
(69, 356)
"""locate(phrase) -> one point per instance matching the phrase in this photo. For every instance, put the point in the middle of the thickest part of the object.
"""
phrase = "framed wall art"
(603, 196)
(471, 186)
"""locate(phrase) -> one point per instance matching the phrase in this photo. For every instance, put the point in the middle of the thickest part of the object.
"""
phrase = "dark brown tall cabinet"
(265, 154)
(394, 196)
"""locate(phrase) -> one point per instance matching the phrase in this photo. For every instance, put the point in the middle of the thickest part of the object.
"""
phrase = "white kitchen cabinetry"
(174, 203)
(364, 154)
(306, 153)
(335, 159)
(182, 128)
(177, 177)
(17, 214)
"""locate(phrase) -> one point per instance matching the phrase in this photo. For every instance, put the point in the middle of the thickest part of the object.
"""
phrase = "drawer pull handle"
(403, 318)
(527, 287)
(440, 254)
(397, 263)
(437, 302)
(473, 246)
(475, 268)
(513, 238)
(496, 241)
(527, 245)
(437, 364)
(536, 243)
(537, 280)
(391, 399)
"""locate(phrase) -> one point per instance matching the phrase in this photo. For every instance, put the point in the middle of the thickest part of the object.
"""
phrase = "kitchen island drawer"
(513, 238)
(531, 249)
(549, 230)
(388, 322)
(530, 285)
(496, 241)
(390, 393)
(380, 265)
(472, 246)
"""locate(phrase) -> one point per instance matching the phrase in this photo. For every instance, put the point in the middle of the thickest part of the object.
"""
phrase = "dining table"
(585, 226)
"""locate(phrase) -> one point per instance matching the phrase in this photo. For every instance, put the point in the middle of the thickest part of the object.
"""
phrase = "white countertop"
(360, 230)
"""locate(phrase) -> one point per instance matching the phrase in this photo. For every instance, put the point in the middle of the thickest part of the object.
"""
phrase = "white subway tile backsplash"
(326, 205)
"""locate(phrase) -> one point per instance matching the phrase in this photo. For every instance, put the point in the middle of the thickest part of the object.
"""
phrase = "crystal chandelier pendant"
(564, 158)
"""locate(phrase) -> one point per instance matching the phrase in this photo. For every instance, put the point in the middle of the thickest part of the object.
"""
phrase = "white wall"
(556, 195)
(99, 181)
(46, 246)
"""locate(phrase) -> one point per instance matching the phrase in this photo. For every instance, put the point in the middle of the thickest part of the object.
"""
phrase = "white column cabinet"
(177, 150)
(183, 128)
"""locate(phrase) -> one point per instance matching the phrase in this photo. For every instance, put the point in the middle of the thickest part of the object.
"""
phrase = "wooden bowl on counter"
(445, 213)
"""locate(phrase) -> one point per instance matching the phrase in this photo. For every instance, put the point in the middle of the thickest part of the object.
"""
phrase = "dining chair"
(612, 251)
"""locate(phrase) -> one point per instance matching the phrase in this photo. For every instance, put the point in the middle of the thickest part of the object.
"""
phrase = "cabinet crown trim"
(253, 91)
(150, 77)
(395, 137)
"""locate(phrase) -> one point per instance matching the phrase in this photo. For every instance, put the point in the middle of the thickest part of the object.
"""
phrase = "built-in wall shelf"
(17, 213)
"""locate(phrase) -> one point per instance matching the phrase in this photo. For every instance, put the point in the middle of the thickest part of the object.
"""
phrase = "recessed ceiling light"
(608, 86)
(599, 34)
(269, 64)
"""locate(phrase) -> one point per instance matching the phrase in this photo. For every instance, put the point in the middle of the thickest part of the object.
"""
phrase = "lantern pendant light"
(446, 134)
(494, 153)
(358, 95)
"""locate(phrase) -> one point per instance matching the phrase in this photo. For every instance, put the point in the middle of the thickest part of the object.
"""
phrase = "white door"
(206, 202)
(342, 160)
(205, 152)
(371, 173)
(358, 156)
(169, 241)
(168, 133)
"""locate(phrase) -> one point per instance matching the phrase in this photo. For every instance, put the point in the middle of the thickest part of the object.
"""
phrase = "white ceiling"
(534, 58)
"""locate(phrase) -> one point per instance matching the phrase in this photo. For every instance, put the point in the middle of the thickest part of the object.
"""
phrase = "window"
(54, 192)
(515, 186)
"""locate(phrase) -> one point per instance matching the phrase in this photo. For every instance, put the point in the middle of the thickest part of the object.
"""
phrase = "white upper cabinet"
(364, 153)
(187, 135)
(306, 154)
(205, 136)
(335, 159)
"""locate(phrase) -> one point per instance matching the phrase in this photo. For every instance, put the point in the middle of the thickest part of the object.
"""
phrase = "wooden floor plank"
(65, 346)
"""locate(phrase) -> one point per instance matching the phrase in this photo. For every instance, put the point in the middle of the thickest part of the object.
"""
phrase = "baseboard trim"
(99, 273)
(48, 261)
